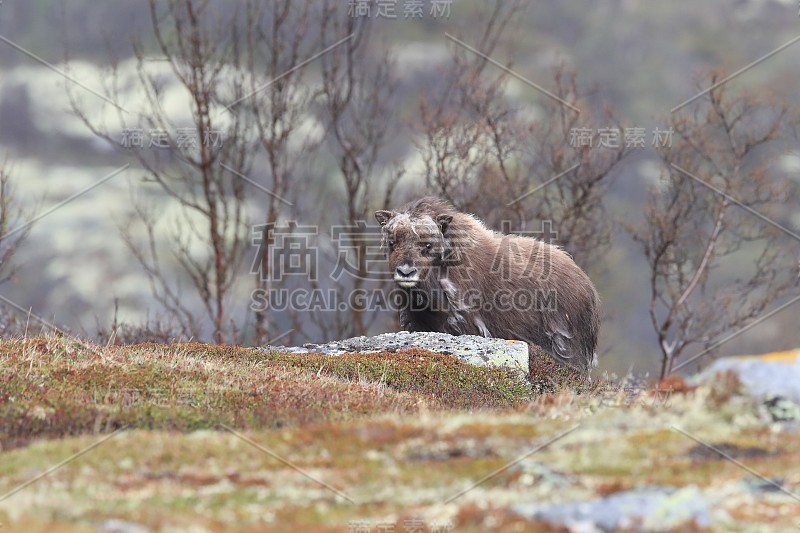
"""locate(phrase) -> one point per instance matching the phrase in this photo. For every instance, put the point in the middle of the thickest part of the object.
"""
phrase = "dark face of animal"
(415, 245)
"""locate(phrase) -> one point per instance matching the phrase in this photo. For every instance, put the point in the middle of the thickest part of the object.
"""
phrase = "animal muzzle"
(406, 275)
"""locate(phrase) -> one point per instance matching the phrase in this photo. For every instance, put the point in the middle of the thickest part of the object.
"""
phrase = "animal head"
(416, 244)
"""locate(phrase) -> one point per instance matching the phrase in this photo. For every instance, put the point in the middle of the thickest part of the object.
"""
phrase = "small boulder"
(765, 377)
(479, 351)
(645, 509)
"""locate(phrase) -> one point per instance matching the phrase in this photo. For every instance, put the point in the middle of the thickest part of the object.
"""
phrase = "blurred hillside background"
(633, 62)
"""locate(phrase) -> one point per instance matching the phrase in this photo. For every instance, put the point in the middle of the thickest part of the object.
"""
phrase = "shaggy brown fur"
(465, 279)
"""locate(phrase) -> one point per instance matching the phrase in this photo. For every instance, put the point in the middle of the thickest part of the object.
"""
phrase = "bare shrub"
(719, 204)
(218, 60)
(357, 107)
(15, 225)
(485, 154)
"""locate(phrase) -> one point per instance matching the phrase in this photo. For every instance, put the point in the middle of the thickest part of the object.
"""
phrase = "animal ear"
(444, 221)
(383, 217)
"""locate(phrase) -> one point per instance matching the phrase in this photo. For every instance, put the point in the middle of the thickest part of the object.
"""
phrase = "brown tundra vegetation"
(462, 278)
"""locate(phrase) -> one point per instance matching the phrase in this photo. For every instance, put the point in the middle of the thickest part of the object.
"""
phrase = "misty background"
(640, 58)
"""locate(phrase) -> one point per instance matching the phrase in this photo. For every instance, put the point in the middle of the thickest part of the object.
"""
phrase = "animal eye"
(428, 246)
(391, 244)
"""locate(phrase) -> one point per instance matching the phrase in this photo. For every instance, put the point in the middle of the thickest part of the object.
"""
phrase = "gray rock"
(763, 377)
(647, 509)
(479, 351)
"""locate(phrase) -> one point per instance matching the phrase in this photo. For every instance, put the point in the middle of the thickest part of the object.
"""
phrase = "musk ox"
(464, 279)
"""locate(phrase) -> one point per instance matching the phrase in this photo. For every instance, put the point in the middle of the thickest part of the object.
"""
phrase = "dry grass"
(53, 387)
(398, 434)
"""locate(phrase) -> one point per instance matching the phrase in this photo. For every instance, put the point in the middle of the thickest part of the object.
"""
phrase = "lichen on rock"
(479, 351)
